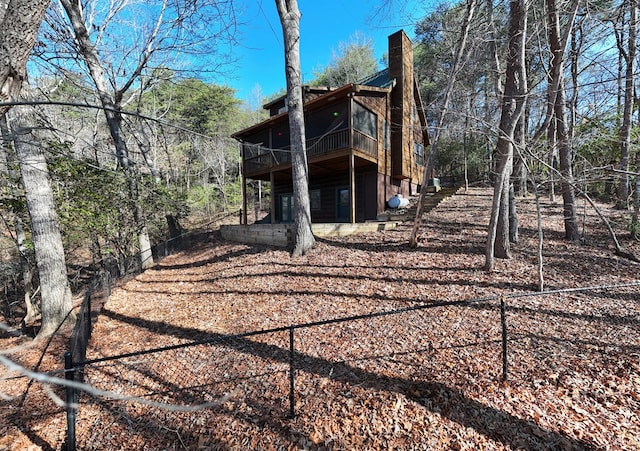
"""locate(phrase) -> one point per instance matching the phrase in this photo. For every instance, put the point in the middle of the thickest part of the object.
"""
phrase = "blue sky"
(324, 25)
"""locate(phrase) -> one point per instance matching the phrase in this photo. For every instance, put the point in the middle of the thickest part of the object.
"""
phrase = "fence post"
(69, 374)
(503, 320)
(89, 319)
(106, 286)
(292, 401)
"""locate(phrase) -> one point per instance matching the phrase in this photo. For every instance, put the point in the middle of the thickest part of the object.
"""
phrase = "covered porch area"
(343, 182)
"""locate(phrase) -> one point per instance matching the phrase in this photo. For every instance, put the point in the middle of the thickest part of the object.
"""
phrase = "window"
(386, 135)
(418, 150)
(286, 207)
(365, 121)
(315, 199)
(325, 121)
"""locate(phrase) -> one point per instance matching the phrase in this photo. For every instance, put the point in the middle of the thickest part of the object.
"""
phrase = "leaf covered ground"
(420, 379)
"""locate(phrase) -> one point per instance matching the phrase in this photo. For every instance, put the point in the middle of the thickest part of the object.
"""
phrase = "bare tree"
(290, 20)
(112, 106)
(20, 21)
(9, 171)
(513, 101)
(56, 305)
(635, 217)
(629, 56)
(557, 47)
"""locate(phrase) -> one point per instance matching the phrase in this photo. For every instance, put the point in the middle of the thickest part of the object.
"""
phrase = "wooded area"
(114, 138)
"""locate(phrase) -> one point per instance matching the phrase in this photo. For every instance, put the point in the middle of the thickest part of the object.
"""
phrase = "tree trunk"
(90, 56)
(540, 240)
(635, 219)
(146, 254)
(512, 108)
(497, 240)
(56, 306)
(32, 308)
(627, 113)
(577, 39)
(571, 230)
(111, 109)
(290, 20)
(502, 244)
(520, 173)
(145, 259)
(19, 25)
(565, 150)
(465, 148)
(513, 216)
(551, 144)
(9, 168)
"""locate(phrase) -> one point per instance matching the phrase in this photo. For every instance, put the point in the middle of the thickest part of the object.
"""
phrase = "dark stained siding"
(327, 186)
(366, 195)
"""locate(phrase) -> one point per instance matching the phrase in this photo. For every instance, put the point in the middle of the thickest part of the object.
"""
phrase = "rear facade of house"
(365, 143)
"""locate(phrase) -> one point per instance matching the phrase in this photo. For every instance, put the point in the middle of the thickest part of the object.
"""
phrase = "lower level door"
(343, 207)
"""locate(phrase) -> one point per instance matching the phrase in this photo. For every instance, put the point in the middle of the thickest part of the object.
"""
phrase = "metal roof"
(379, 80)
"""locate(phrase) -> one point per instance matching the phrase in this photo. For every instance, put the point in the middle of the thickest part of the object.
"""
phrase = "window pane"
(418, 150)
(286, 208)
(315, 199)
(365, 121)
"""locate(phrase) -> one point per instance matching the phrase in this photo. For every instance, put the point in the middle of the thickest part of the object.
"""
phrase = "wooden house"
(366, 142)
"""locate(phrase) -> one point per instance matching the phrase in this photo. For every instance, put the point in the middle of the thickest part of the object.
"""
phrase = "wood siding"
(367, 204)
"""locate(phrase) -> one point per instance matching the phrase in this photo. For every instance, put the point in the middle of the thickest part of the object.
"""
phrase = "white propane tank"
(398, 201)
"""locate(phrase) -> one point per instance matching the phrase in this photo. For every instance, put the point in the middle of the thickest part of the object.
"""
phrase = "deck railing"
(365, 143)
(258, 158)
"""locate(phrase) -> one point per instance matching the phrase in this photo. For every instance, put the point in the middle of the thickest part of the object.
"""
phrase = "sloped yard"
(423, 379)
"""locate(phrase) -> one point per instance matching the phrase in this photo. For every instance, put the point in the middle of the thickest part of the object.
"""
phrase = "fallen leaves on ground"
(421, 379)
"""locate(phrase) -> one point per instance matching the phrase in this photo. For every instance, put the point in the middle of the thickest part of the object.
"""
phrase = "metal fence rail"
(216, 356)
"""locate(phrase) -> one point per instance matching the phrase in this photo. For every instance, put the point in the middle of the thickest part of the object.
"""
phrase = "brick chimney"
(401, 69)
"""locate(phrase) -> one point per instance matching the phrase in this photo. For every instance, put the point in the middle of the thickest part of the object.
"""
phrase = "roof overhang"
(306, 89)
(330, 97)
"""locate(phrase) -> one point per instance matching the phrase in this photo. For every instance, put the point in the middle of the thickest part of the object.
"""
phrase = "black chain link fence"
(186, 388)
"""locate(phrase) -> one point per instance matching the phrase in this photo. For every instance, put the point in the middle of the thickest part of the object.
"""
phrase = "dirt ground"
(421, 378)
